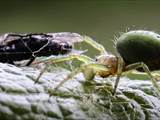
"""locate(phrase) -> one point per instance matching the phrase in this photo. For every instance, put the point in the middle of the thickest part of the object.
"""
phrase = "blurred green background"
(100, 19)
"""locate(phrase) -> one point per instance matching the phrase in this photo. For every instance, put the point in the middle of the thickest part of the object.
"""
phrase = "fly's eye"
(96, 59)
(66, 46)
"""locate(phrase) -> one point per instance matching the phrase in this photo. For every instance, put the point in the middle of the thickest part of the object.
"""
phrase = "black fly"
(17, 47)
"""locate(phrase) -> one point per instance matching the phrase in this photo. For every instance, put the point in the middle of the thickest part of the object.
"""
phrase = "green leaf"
(22, 99)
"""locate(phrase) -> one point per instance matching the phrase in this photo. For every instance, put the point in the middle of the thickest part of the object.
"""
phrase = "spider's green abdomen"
(140, 46)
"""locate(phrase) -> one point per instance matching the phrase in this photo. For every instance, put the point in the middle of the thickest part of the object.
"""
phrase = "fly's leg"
(50, 60)
(146, 69)
(31, 60)
(41, 73)
(10, 62)
(96, 45)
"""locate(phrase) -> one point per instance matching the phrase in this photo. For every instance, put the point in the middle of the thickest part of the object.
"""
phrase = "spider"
(104, 65)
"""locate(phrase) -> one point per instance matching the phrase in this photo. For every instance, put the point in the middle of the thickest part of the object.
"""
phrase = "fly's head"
(66, 47)
(60, 47)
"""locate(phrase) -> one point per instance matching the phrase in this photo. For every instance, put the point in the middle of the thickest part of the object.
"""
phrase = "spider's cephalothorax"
(16, 47)
(111, 62)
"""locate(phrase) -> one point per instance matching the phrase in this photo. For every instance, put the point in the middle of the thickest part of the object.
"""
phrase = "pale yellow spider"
(104, 65)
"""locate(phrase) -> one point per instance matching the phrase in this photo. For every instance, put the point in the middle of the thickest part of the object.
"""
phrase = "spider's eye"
(109, 66)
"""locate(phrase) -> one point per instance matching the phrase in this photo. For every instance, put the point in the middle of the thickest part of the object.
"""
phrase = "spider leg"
(119, 72)
(116, 83)
(146, 69)
(95, 66)
(96, 45)
(54, 60)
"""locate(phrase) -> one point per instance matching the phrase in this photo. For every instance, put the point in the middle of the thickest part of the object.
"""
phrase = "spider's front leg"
(54, 60)
(96, 45)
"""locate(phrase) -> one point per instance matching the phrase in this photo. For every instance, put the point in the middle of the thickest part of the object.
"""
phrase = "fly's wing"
(70, 38)
(8, 38)
(66, 37)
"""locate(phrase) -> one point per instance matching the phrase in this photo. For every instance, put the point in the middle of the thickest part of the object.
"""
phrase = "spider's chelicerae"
(104, 65)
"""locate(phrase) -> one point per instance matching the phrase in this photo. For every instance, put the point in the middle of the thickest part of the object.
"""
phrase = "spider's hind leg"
(119, 72)
(146, 69)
